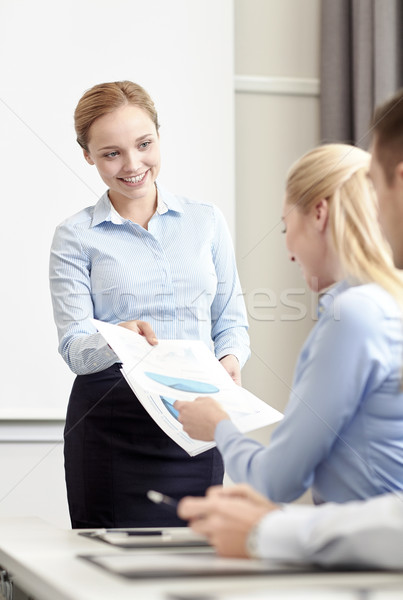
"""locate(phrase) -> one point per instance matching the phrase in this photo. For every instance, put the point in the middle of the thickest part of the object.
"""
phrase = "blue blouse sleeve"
(229, 324)
(342, 361)
(81, 346)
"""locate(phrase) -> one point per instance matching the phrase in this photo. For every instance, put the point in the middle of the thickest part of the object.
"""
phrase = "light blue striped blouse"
(342, 428)
(180, 276)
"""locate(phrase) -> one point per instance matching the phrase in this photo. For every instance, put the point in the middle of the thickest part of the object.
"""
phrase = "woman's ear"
(399, 173)
(321, 214)
(88, 157)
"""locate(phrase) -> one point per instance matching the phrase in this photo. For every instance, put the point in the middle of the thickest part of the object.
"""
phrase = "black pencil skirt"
(114, 452)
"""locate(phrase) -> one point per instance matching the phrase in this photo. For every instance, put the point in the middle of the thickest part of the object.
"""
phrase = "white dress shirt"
(361, 533)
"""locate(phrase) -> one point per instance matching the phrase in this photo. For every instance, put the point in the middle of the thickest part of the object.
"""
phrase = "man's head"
(386, 170)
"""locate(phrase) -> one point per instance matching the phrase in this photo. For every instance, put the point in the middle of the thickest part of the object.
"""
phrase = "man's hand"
(226, 516)
(243, 491)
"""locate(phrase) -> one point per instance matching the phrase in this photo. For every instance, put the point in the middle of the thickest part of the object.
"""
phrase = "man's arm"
(361, 533)
(240, 522)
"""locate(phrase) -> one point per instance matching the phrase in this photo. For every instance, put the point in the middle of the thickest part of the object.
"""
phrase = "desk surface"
(43, 561)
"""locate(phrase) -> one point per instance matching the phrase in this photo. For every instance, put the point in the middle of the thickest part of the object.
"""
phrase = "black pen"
(159, 498)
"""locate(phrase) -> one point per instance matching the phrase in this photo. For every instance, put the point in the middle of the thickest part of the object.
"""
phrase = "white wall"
(277, 120)
(32, 481)
(277, 53)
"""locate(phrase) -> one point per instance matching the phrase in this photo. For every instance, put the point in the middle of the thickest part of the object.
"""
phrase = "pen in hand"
(159, 498)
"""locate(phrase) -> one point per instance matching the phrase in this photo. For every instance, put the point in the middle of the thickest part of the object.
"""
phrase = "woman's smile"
(135, 180)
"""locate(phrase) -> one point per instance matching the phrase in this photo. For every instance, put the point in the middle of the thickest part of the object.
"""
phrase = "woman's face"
(124, 146)
(307, 243)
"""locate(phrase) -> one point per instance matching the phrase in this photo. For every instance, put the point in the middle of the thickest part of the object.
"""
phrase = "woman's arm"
(81, 346)
(228, 313)
(337, 367)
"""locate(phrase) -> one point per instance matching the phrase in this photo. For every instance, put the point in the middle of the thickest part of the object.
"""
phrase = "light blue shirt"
(342, 432)
(179, 275)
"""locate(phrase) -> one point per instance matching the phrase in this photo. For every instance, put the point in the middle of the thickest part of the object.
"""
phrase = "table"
(42, 561)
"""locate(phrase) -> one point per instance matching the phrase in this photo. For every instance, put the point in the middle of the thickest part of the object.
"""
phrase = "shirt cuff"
(105, 352)
(280, 534)
(90, 354)
(241, 356)
(224, 429)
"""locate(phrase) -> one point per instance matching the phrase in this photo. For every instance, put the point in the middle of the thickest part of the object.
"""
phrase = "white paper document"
(182, 370)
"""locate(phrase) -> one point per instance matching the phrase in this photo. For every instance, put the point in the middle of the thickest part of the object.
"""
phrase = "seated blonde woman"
(342, 429)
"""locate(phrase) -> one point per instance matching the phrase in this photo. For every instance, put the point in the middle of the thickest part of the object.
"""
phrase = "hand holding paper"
(200, 418)
(232, 366)
(143, 328)
(172, 370)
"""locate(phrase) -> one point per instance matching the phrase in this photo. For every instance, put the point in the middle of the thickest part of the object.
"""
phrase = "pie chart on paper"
(183, 385)
(168, 403)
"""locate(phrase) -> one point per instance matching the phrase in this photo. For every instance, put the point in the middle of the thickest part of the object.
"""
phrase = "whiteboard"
(181, 51)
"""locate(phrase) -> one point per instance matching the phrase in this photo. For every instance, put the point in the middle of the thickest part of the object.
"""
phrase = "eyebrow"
(139, 139)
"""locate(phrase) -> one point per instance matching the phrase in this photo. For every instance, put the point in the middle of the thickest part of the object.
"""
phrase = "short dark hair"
(387, 128)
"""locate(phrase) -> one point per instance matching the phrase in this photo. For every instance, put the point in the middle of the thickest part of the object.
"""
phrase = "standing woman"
(342, 429)
(155, 263)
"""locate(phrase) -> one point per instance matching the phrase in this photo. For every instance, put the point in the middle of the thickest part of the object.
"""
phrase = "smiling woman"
(341, 432)
(124, 147)
(117, 127)
(139, 258)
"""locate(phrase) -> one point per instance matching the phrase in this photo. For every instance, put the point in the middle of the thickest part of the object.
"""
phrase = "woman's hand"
(200, 417)
(143, 328)
(226, 516)
(231, 365)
